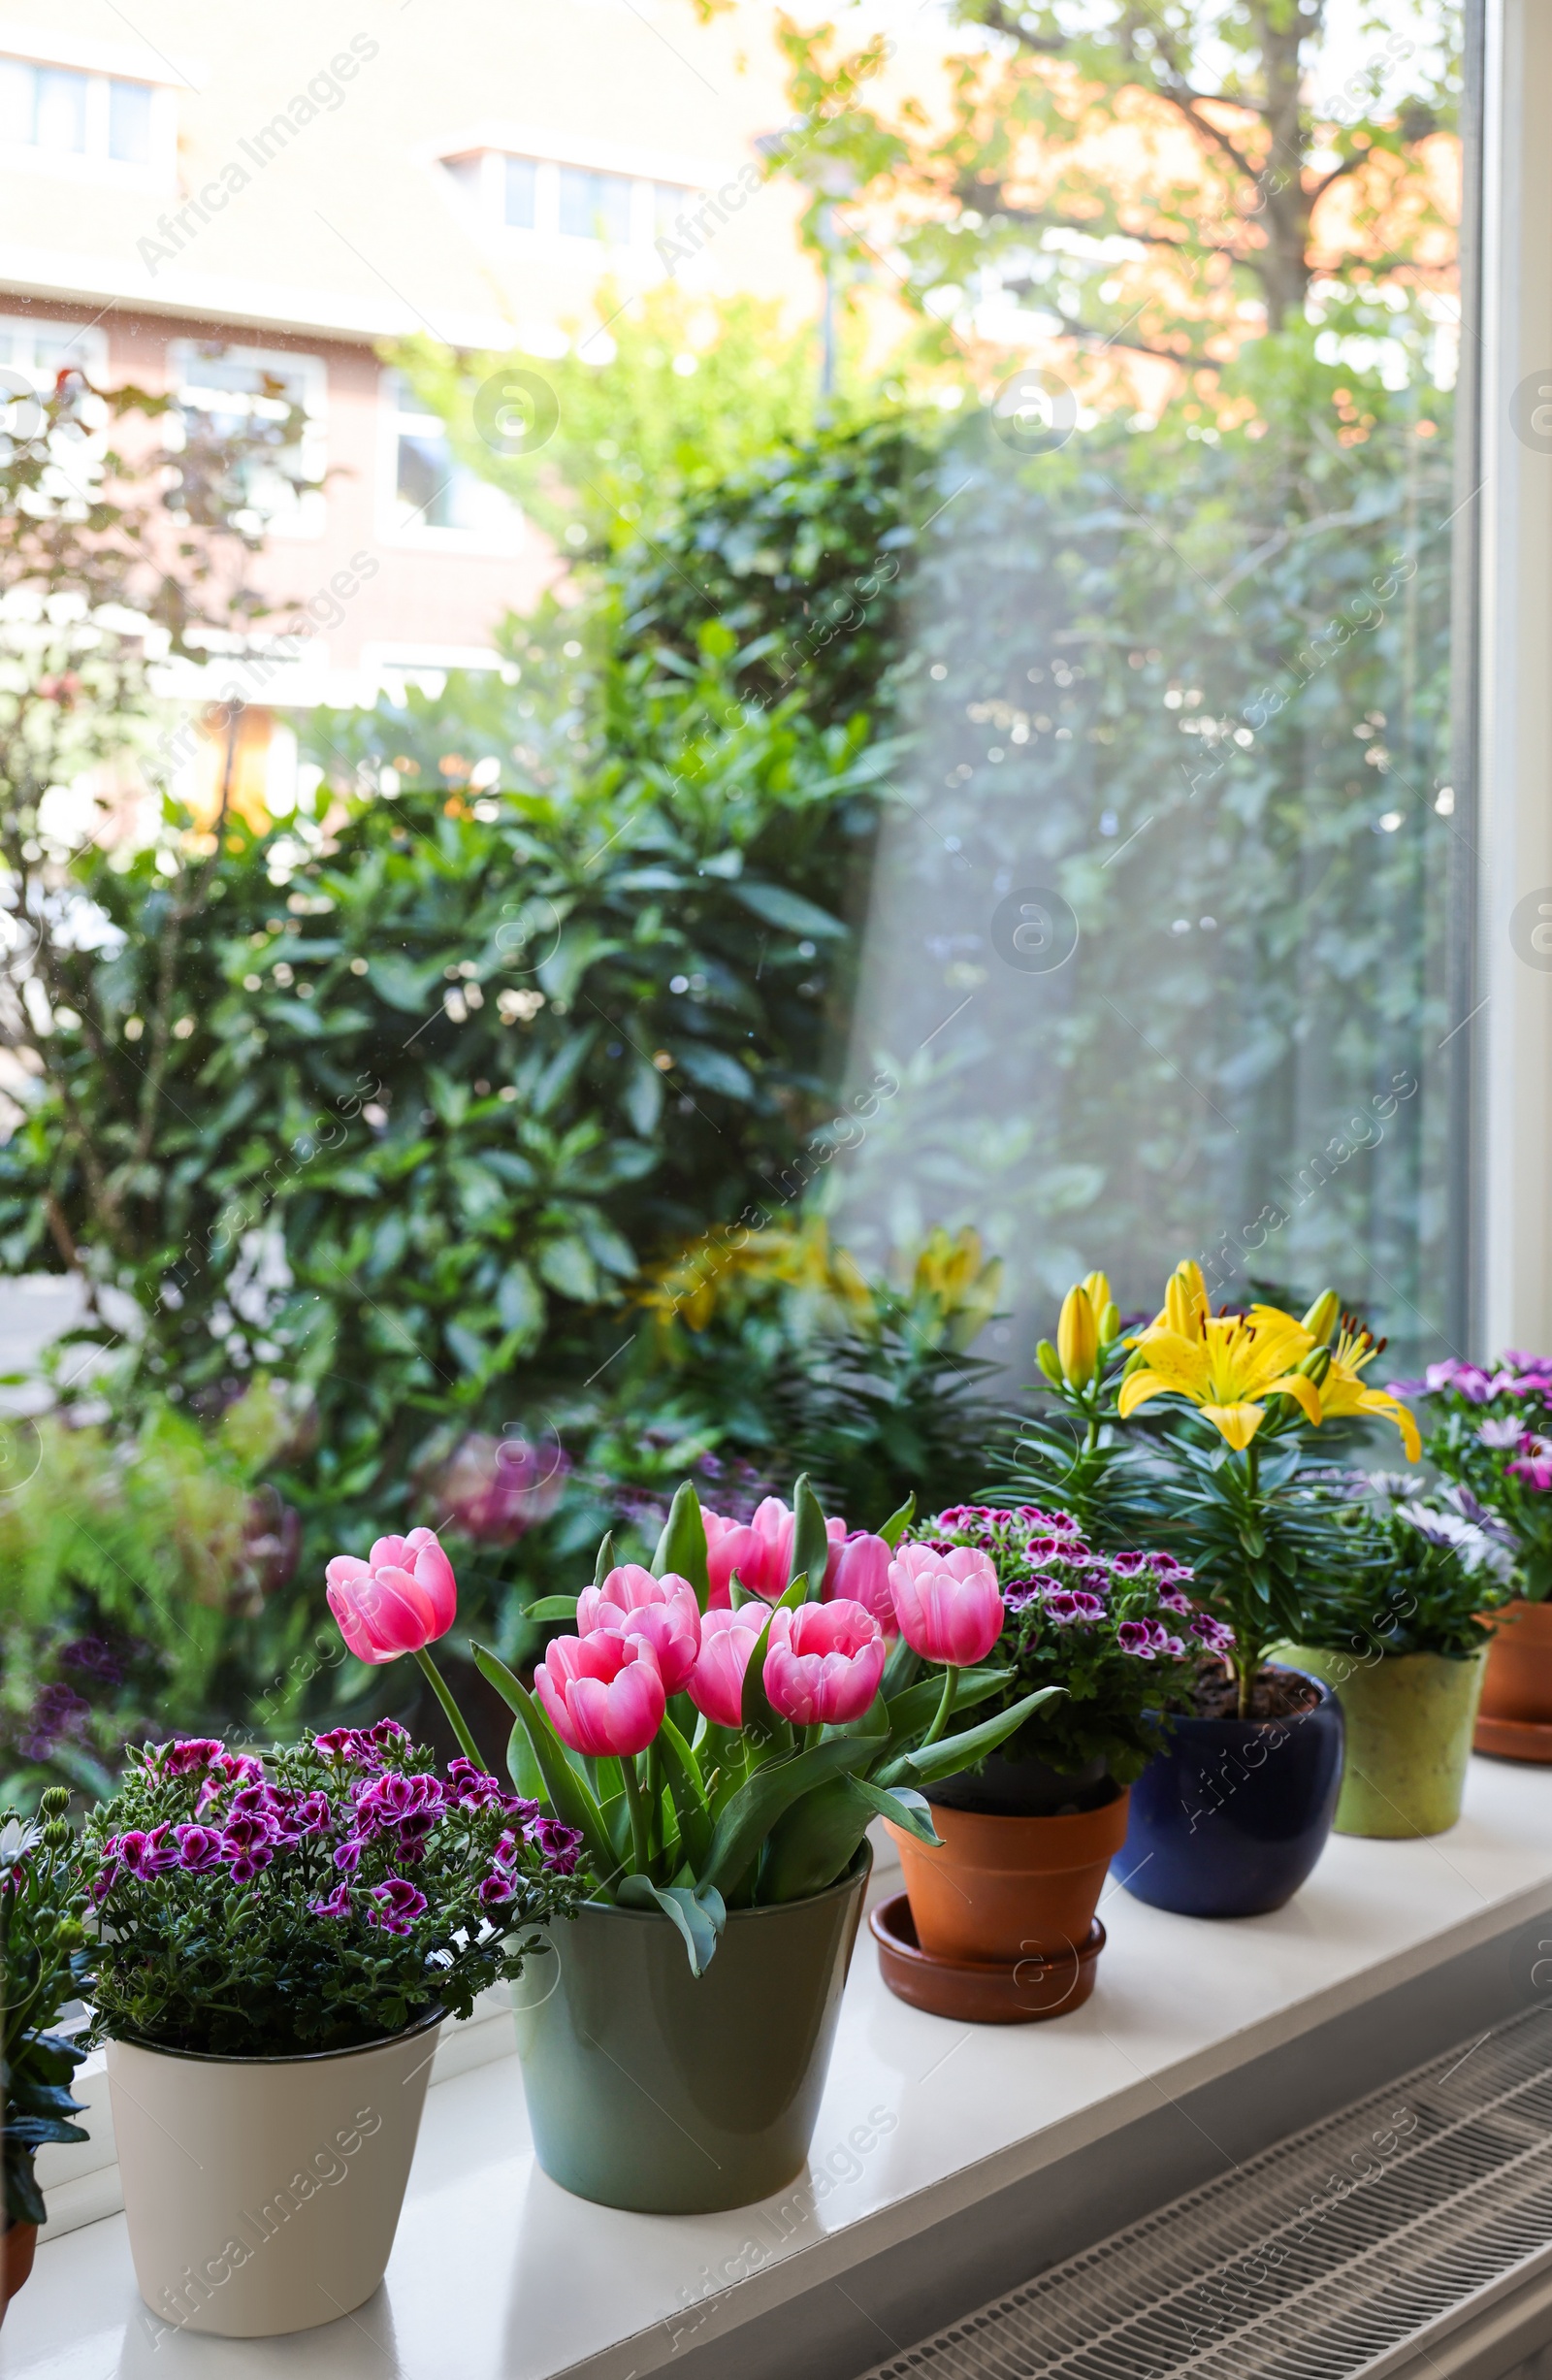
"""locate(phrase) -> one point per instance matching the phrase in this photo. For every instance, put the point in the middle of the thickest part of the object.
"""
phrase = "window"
(42, 349)
(222, 390)
(520, 193)
(595, 206)
(62, 113)
(431, 489)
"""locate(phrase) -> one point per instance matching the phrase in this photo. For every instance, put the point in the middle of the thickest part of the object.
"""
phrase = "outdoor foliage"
(40, 1940)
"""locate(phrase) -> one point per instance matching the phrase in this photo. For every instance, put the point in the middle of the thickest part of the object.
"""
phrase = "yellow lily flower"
(1227, 1366)
(1078, 1338)
(1343, 1392)
(1186, 1304)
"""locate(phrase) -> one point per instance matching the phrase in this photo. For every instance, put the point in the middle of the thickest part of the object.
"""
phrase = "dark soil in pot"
(1025, 1789)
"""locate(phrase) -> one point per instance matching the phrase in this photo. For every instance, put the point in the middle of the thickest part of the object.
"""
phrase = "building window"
(595, 206)
(431, 489)
(520, 193)
(61, 114)
(44, 349)
(223, 391)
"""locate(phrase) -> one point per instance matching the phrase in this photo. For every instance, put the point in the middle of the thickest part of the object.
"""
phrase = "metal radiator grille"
(1325, 2258)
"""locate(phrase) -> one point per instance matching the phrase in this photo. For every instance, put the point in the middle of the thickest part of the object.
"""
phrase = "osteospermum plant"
(1120, 1634)
(1490, 1431)
(721, 1729)
(323, 1897)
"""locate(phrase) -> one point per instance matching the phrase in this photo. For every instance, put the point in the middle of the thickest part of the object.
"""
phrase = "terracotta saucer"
(977, 1991)
(1515, 1739)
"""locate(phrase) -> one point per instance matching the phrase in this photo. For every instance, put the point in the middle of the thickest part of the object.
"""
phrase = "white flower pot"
(262, 2194)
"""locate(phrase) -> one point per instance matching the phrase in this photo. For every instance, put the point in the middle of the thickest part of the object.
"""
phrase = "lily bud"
(1315, 1365)
(1049, 1362)
(1185, 1301)
(1110, 1321)
(1078, 1339)
(1321, 1319)
(1096, 1288)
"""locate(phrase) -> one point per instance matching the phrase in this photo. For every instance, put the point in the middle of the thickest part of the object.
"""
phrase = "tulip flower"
(727, 1637)
(822, 1663)
(759, 1550)
(603, 1694)
(661, 1614)
(948, 1605)
(859, 1572)
(399, 1600)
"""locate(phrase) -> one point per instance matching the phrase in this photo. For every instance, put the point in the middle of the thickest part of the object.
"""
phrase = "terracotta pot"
(17, 2242)
(1006, 1889)
(1517, 1690)
(262, 2194)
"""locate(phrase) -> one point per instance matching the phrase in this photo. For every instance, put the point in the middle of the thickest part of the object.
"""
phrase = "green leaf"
(605, 1563)
(520, 1301)
(551, 1607)
(566, 1266)
(911, 1712)
(814, 1843)
(811, 1546)
(779, 907)
(521, 1766)
(951, 1753)
(766, 1796)
(898, 1523)
(907, 1809)
(688, 1798)
(713, 1069)
(566, 1793)
(414, 991)
(698, 1915)
(682, 1545)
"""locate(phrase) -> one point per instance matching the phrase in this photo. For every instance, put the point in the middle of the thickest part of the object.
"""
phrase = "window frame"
(306, 521)
(94, 161)
(422, 536)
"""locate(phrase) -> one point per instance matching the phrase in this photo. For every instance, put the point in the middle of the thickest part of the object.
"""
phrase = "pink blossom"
(603, 1694)
(858, 1571)
(661, 1614)
(401, 1598)
(727, 1637)
(948, 1605)
(823, 1662)
(759, 1550)
(398, 1903)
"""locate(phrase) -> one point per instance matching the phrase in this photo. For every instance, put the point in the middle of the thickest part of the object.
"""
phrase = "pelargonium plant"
(323, 1897)
(1491, 1432)
(721, 1728)
(1119, 1633)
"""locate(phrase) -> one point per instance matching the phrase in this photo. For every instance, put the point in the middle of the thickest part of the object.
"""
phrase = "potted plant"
(278, 1940)
(719, 1732)
(40, 1935)
(1002, 1917)
(1399, 1636)
(1232, 1814)
(1492, 1435)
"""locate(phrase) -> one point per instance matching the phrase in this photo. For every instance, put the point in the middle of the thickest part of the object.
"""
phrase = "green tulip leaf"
(682, 1547)
(605, 1561)
(565, 1792)
(553, 1607)
(897, 1524)
(904, 1808)
(698, 1916)
(753, 1811)
(951, 1753)
(910, 1713)
(811, 1545)
(688, 1795)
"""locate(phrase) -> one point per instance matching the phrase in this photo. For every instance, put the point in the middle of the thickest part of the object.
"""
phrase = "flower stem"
(639, 1815)
(443, 1694)
(950, 1688)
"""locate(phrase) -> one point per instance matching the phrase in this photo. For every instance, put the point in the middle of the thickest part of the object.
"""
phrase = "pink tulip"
(727, 1637)
(948, 1605)
(822, 1663)
(661, 1614)
(859, 1572)
(603, 1694)
(399, 1599)
(759, 1550)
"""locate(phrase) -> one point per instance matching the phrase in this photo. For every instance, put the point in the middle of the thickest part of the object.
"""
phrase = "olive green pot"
(654, 2089)
(1408, 1719)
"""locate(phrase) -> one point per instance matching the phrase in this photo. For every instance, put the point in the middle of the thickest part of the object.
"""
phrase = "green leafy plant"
(1411, 1575)
(42, 1902)
(329, 1896)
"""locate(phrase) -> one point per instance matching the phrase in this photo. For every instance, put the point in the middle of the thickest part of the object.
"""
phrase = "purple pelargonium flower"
(1059, 1524)
(1131, 1565)
(389, 1800)
(1165, 1566)
(1211, 1633)
(337, 1904)
(496, 1888)
(347, 1855)
(198, 1847)
(560, 1845)
(147, 1854)
(1065, 1604)
(1147, 1639)
(398, 1903)
(189, 1756)
(248, 1862)
(311, 1814)
(1172, 1600)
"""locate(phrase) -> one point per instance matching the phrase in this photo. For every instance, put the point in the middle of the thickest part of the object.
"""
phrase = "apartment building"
(201, 202)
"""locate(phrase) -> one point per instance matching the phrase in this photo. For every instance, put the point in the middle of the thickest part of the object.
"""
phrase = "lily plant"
(721, 1728)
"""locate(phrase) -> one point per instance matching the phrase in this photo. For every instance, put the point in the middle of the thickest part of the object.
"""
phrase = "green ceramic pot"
(653, 2089)
(1410, 1720)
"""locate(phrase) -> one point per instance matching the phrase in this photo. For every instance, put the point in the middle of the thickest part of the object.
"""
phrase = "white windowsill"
(497, 2271)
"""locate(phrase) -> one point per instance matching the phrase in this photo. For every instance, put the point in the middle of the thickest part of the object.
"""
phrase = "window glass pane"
(1160, 933)
(521, 193)
(18, 101)
(61, 109)
(425, 480)
(669, 200)
(595, 206)
(129, 122)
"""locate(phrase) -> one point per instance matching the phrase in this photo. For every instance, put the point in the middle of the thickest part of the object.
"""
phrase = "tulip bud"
(1078, 1339)
(1049, 1362)
(1316, 1364)
(1322, 1316)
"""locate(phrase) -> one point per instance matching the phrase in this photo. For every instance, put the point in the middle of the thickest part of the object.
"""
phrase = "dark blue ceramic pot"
(1233, 1815)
